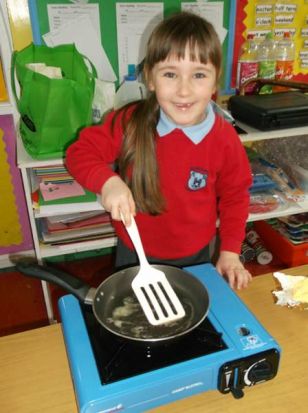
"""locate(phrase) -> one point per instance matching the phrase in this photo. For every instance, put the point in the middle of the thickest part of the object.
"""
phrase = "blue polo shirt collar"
(195, 133)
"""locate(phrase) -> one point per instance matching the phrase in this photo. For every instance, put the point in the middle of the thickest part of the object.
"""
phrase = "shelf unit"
(253, 135)
(26, 164)
(295, 208)
(6, 108)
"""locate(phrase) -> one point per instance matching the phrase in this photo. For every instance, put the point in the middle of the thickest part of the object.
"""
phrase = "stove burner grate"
(117, 358)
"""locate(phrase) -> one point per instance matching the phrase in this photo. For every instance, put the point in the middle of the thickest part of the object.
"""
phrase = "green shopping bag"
(52, 110)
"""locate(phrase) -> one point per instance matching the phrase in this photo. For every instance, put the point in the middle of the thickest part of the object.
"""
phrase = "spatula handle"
(133, 232)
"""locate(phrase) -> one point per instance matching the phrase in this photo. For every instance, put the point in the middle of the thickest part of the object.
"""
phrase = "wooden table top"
(35, 376)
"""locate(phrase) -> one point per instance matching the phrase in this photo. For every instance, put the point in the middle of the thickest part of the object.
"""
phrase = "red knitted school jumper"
(200, 183)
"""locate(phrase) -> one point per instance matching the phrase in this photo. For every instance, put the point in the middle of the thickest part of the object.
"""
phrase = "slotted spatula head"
(152, 288)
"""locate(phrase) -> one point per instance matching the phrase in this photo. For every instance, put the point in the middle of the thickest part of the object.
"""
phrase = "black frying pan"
(116, 307)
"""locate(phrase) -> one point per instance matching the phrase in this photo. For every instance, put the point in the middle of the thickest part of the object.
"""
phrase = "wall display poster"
(113, 34)
(278, 16)
(15, 234)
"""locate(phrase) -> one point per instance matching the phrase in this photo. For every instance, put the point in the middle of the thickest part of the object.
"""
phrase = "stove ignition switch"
(248, 371)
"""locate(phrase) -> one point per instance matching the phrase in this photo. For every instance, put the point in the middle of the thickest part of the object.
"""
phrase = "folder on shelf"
(88, 201)
(52, 191)
(97, 221)
(78, 240)
(74, 234)
(73, 217)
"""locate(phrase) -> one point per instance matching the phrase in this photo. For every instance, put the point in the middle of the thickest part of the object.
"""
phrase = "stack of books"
(58, 192)
(64, 229)
(69, 212)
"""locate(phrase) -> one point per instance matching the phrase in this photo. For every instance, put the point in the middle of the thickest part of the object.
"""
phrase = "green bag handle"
(94, 72)
(29, 74)
(25, 118)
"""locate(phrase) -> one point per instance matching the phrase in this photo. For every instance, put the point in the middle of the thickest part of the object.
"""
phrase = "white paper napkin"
(288, 283)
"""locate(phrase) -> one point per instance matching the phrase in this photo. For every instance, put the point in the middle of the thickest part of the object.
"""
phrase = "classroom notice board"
(40, 22)
(260, 17)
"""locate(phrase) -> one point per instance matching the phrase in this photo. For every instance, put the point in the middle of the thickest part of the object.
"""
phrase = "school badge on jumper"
(197, 179)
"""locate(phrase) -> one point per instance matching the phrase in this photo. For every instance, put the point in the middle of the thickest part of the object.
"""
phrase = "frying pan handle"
(70, 283)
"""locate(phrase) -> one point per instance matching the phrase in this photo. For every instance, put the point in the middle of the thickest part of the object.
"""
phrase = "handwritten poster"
(263, 16)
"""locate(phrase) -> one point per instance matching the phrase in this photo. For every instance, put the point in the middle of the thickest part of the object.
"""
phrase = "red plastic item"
(281, 247)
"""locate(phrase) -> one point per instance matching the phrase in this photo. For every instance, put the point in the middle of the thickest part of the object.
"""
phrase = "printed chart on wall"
(262, 16)
(113, 34)
(14, 226)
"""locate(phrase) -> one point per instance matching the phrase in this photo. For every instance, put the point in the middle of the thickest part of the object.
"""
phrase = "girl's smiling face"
(183, 88)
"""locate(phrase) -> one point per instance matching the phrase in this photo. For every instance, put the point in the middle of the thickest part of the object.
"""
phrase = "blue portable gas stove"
(228, 351)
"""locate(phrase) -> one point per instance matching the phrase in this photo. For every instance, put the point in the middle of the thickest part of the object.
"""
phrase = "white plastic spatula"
(152, 288)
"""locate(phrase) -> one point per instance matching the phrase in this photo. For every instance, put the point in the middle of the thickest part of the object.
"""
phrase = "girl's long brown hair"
(138, 154)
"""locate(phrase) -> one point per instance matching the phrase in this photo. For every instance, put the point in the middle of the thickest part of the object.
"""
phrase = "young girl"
(170, 160)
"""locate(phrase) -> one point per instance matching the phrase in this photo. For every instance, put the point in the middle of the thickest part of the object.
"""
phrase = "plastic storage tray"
(288, 253)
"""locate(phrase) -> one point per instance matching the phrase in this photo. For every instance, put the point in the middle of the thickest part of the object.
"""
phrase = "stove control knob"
(260, 371)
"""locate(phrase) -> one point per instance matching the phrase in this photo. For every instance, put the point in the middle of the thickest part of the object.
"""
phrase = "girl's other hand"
(230, 266)
(118, 199)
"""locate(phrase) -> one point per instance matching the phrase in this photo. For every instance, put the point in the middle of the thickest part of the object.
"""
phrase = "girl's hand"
(230, 266)
(118, 199)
